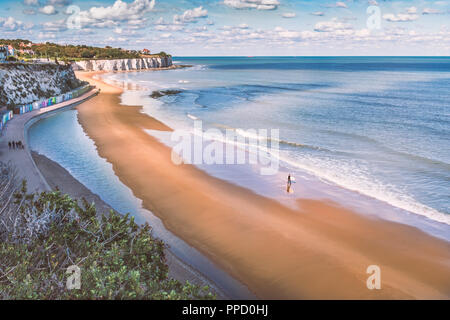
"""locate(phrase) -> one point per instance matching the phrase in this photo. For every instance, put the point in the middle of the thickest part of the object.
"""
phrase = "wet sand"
(319, 251)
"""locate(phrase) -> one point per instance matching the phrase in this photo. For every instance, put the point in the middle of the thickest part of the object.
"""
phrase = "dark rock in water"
(158, 94)
(182, 66)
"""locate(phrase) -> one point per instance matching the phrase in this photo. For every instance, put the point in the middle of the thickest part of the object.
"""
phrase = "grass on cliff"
(42, 235)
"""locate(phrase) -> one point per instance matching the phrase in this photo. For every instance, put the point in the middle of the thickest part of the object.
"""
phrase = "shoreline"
(279, 252)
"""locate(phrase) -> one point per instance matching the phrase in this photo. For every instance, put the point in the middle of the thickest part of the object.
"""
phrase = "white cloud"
(11, 24)
(289, 15)
(191, 15)
(137, 23)
(338, 4)
(120, 11)
(86, 31)
(253, 4)
(332, 25)
(287, 34)
(31, 2)
(318, 13)
(243, 26)
(120, 39)
(362, 33)
(401, 17)
(59, 3)
(55, 26)
(411, 10)
(335, 33)
(168, 27)
(124, 32)
(202, 28)
(160, 21)
(29, 11)
(46, 35)
(373, 2)
(48, 10)
(431, 11)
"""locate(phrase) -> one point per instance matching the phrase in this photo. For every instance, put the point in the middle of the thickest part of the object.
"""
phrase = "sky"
(237, 27)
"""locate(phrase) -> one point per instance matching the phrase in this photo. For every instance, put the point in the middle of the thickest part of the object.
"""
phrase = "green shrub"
(118, 258)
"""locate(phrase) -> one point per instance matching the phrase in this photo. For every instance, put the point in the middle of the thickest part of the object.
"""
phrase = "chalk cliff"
(123, 64)
(26, 83)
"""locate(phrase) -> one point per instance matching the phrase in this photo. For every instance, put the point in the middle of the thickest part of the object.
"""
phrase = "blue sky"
(237, 27)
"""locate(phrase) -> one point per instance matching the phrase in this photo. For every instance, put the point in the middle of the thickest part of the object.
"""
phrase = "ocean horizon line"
(307, 56)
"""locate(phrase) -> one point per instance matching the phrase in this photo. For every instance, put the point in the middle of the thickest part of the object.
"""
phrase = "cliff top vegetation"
(73, 52)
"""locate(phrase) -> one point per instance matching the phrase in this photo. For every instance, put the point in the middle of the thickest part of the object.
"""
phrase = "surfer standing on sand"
(289, 183)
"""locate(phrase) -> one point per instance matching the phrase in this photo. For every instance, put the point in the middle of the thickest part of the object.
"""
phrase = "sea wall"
(123, 64)
(22, 84)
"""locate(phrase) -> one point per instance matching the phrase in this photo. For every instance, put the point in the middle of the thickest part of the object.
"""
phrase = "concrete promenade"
(16, 130)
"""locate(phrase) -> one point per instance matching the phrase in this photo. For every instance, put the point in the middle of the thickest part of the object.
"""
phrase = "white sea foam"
(340, 174)
(369, 186)
(355, 180)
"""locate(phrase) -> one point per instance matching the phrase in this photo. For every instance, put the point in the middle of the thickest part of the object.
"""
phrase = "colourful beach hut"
(6, 116)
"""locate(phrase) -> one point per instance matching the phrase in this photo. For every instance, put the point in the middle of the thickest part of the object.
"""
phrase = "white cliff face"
(26, 83)
(123, 64)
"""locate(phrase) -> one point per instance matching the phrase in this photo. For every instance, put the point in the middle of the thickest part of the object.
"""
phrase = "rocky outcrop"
(25, 83)
(123, 64)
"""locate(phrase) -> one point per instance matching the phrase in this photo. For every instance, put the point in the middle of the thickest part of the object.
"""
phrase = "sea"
(368, 133)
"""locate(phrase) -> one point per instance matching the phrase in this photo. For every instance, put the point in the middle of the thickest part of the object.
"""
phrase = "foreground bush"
(49, 232)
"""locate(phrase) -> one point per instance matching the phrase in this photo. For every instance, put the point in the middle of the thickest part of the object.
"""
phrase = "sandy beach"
(318, 251)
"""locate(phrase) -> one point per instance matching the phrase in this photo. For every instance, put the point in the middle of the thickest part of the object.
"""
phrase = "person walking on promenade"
(9, 145)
